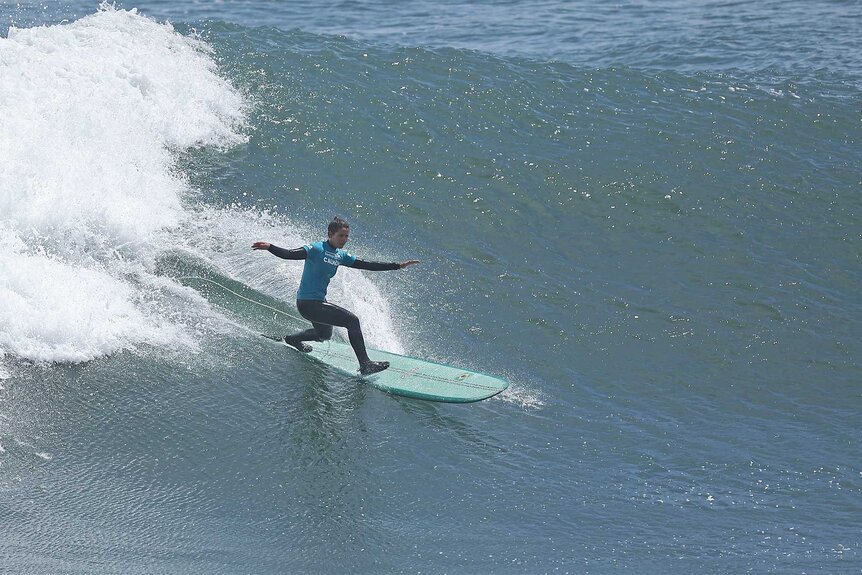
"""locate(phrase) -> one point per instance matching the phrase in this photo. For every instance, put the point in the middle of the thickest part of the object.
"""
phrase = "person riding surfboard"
(322, 260)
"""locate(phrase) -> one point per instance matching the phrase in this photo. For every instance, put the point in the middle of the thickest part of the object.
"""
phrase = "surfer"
(322, 260)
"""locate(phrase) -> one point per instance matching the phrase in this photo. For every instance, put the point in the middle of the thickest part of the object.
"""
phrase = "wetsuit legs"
(323, 316)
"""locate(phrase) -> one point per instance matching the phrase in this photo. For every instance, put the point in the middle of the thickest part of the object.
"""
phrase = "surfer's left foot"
(370, 367)
(296, 344)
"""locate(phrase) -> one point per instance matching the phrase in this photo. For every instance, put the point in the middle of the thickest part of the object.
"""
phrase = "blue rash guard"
(321, 262)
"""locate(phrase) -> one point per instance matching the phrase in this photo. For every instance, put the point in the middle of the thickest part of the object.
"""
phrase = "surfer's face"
(339, 238)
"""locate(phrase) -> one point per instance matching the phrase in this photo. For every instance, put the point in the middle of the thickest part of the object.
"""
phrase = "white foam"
(92, 114)
(53, 311)
(91, 110)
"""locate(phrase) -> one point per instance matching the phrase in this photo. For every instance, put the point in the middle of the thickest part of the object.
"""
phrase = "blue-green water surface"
(645, 216)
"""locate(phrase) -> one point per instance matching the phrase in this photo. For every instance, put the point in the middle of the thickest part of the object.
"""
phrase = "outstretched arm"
(381, 266)
(295, 254)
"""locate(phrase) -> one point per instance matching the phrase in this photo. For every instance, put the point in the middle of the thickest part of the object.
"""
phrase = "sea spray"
(93, 114)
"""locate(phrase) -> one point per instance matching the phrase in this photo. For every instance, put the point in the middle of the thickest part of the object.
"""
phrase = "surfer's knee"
(324, 333)
(352, 322)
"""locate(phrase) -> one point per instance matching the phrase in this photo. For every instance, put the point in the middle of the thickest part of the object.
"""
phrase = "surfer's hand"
(260, 246)
(403, 265)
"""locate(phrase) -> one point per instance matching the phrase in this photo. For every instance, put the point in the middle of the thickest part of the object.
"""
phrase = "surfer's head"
(339, 232)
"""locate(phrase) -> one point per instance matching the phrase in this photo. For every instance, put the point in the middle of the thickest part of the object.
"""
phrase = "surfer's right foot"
(370, 367)
(296, 344)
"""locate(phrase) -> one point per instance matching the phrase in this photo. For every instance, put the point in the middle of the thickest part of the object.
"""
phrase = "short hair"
(336, 224)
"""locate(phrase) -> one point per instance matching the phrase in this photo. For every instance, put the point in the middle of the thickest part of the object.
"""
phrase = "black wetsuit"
(322, 314)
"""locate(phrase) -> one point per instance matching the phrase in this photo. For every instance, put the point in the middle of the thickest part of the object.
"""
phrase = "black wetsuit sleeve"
(297, 254)
(375, 266)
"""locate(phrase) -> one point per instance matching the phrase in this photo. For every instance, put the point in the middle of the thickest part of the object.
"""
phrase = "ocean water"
(644, 215)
